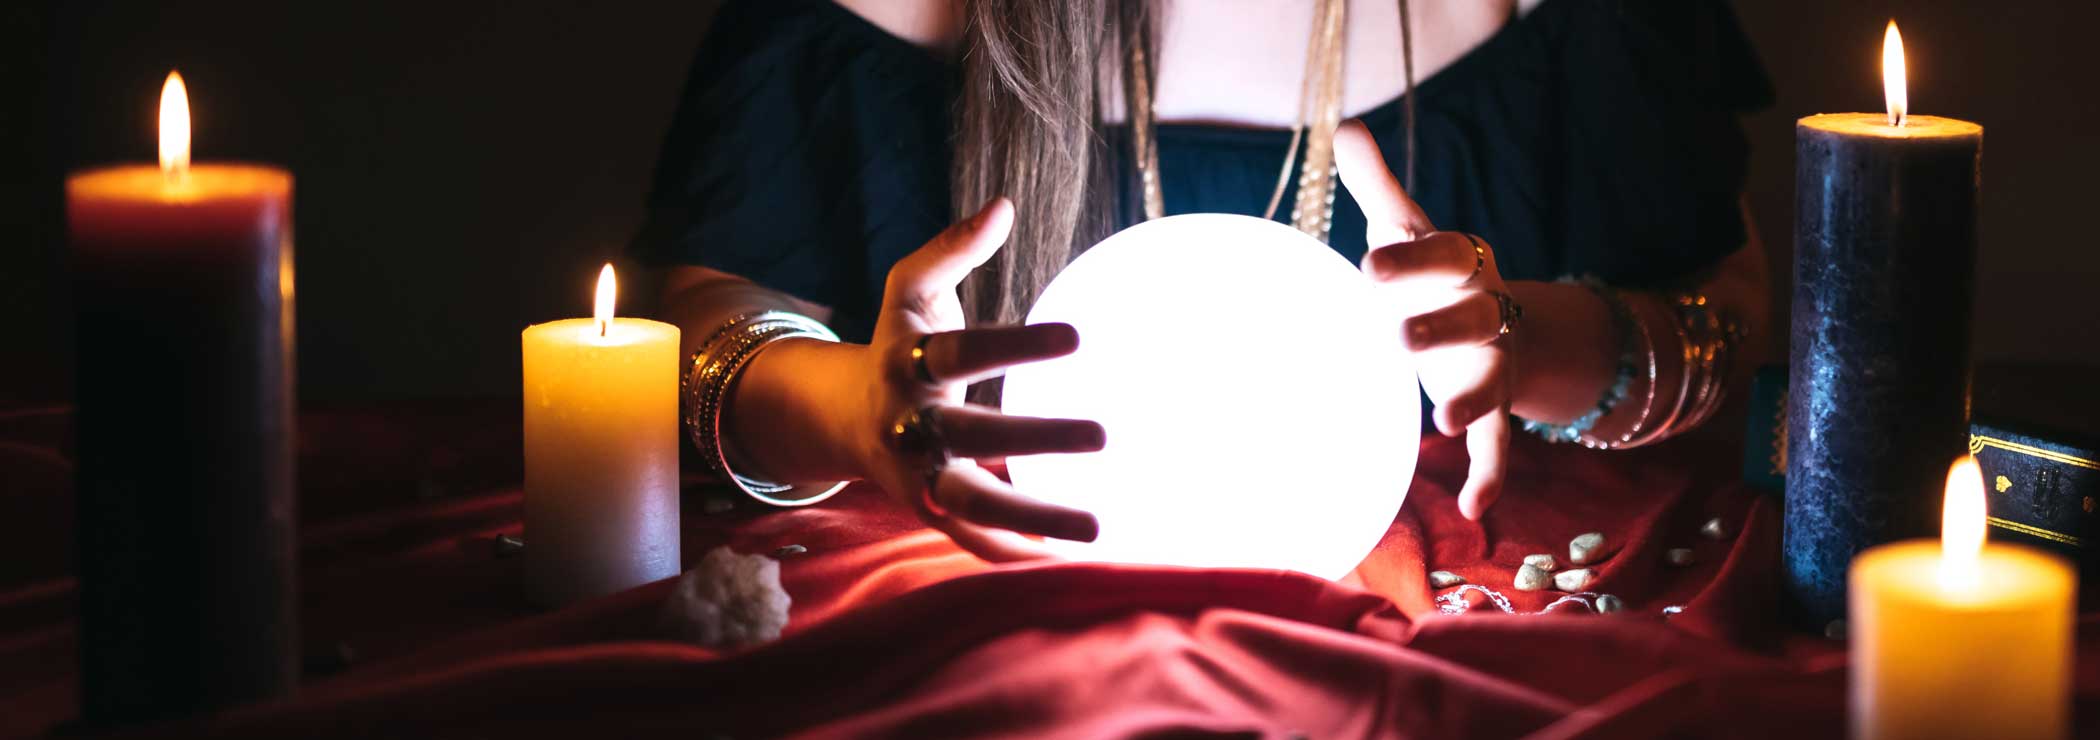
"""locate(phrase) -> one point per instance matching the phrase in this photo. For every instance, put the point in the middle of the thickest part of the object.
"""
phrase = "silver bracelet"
(704, 391)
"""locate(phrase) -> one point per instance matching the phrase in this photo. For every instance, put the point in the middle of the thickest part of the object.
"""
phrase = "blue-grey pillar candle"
(1877, 404)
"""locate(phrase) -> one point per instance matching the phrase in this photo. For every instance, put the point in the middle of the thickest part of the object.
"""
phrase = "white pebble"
(1586, 548)
(1835, 630)
(1714, 529)
(1531, 578)
(1678, 556)
(1541, 561)
(1574, 580)
(1609, 604)
(1445, 579)
(727, 600)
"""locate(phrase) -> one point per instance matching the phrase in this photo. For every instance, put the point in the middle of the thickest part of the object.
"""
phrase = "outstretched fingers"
(923, 276)
(974, 495)
(1390, 214)
(983, 434)
(970, 355)
(1487, 444)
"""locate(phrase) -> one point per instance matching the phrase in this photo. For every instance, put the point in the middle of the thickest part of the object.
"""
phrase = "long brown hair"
(1034, 91)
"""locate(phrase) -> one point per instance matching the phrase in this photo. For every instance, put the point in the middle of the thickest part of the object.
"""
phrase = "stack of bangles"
(704, 390)
(1708, 339)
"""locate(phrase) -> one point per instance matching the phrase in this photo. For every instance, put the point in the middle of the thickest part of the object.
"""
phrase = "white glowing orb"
(1261, 411)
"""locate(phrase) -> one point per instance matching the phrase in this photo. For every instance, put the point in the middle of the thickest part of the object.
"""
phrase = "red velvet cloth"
(894, 632)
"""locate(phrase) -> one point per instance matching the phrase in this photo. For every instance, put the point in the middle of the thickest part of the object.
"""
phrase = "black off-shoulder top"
(810, 150)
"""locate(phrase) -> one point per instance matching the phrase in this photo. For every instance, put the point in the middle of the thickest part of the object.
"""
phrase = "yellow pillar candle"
(1956, 638)
(601, 453)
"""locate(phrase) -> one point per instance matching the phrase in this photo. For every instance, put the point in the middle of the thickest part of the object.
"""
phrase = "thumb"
(934, 269)
(1391, 215)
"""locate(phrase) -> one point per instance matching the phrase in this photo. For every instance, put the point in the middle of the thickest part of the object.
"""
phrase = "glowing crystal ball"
(1260, 408)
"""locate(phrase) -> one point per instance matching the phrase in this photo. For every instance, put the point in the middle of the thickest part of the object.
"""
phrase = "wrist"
(785, 419)
(1566, 356)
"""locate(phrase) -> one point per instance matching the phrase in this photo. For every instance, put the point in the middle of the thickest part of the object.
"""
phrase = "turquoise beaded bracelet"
(1629, 355)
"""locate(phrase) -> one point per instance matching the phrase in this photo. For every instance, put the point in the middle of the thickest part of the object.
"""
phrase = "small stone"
(1609, 604)
(1671, 611)
(507, 545)
(1574, 580)
(1586, 548)
(1714, 529)
(716, 505)
(1678, 556)
(1531, 578)
(1835, 630)
(1445, 579)
(1541, 561)
(786, 550)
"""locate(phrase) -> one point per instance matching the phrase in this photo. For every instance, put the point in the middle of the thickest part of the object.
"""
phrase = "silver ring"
(1512, 312)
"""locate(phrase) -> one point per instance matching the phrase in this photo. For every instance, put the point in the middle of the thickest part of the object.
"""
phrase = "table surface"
(412, 619)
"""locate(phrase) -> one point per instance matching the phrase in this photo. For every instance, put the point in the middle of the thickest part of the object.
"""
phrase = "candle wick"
(601, 327)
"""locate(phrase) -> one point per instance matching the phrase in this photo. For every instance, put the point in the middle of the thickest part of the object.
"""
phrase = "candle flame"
(174, 128)
(1962, 526)
(608, 291)
(1894, 85)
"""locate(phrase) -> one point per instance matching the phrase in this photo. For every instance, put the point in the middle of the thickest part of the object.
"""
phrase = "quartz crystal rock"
(1541, 561)
(727, 600)
(1609, 604)
(1678, 556)
(1445, 579)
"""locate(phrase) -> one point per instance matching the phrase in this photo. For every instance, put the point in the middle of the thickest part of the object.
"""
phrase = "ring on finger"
(919, 370)
(1480, 257)
(1511, 313)
(917, 435)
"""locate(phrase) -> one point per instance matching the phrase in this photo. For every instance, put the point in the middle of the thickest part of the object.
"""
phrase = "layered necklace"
(1319, 114)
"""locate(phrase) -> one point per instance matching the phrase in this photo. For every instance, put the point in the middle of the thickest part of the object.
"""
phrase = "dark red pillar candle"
(186, 503)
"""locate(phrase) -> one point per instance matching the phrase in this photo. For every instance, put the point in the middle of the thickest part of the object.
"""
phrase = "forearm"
(1570, 356)
(778, 422)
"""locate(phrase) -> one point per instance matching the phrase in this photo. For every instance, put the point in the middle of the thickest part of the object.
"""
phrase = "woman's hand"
(922, 359)
(1454, 298)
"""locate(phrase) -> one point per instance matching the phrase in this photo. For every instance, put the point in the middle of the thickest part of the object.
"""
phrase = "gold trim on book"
(1978, 441)
(2034, 531)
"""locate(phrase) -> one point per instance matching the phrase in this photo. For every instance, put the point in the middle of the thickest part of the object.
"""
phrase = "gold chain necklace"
(1320, 98)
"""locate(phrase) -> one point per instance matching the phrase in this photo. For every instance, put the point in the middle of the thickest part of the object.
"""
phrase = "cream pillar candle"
(1961, 639)
(601, 453)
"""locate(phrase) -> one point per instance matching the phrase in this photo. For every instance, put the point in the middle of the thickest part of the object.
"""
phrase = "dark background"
(463, 166)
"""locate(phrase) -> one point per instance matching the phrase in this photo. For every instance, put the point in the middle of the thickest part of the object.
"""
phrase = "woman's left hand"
(1454, 300)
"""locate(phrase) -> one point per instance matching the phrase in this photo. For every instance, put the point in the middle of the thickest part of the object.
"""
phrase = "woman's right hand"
(922, 358)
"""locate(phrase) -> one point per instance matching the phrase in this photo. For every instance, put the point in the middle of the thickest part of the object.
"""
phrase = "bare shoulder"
(929, 24)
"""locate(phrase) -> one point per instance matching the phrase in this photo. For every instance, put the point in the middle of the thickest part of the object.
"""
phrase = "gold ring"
(918, 361)
(1480, 258)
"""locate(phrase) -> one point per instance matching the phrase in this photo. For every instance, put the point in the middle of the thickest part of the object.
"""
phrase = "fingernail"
(1080, 527)
(1093, 437)
(984, 213)
(1417, 334)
